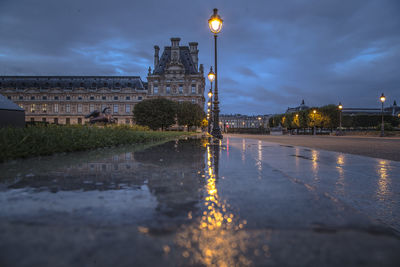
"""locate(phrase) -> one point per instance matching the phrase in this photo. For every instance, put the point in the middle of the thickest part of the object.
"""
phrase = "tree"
(189, 114)
(155, 113)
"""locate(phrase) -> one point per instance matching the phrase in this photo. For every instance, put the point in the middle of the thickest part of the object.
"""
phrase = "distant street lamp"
(315, 129)
(340, 107)
(382, 98)
(211, 77)
(215, 24)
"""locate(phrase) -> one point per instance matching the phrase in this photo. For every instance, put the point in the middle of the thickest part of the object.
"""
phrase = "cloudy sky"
(272, 54)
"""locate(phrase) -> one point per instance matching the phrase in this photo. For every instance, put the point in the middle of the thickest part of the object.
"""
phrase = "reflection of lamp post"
(315, 130)
(211, 77)
(383, 98)
(297, 123)
(215, 24)
(340, 107)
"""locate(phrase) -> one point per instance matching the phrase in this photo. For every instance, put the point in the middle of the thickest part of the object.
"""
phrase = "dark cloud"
(272, 54)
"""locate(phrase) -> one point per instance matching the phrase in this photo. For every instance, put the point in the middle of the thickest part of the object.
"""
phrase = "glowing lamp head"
(208, 103)
(259, 118)
(215, 22)
(383, 98)
(297, 115)
(208, 110)
(210, 94)
(340, 106)
(314, 111)
(211, 75)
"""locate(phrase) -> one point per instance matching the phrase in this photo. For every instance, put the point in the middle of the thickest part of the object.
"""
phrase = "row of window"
(45, 97)
(68, 86)
(180, 89)
(44, 108)
(79, 120)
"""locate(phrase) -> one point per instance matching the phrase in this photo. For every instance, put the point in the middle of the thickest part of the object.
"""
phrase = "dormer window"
(115, 97)
(105, 84)
(103, 97)
(80, 97)
(168, 89)
(82, 85)
(68, 97)
(44, 97)
(155, 89)
(181, 89)
(32, 97)
(91, 97)
(129, 85)
(193, 88)
(93, 85)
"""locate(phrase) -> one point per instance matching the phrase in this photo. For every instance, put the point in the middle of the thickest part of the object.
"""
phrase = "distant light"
(211, 75)
(340, 106)
(383, 98)
(314, 111)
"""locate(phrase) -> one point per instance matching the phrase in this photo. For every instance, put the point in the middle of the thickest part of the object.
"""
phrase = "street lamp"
(215, 24)
(340, 107)
(382, 98)
(315, 130)
(211, 78)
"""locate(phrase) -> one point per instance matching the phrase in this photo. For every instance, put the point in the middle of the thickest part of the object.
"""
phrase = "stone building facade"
(67, 99)
(177, 75)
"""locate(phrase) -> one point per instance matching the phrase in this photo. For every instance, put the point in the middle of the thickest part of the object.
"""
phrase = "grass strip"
(47, 140)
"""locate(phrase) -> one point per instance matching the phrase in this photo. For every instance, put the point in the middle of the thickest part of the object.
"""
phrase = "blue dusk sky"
(272, 54)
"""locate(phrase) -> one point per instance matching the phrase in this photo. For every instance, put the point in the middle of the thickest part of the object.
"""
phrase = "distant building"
(298, 108)
(243, 121)
(11, 115)
(392, 110)
(67, 99)
(177, 74)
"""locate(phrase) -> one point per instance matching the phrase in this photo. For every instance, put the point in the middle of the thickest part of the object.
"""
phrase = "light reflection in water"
(384, 181)
(314, 158)
(340, 162)
(217, 239)
(243, 150)
(259, 159)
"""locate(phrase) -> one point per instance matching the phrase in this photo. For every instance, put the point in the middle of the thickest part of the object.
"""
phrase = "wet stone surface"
(191, 203)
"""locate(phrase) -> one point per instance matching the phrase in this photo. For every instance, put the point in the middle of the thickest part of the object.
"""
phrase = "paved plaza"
(189, 202)
(376, 147)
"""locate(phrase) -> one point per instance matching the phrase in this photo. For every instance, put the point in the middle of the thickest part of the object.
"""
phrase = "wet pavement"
(191, 203)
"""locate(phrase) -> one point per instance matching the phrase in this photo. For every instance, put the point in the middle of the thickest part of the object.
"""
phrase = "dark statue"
(100, 117)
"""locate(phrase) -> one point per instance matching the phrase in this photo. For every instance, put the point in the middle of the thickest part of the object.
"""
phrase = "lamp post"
(340, 107)
(215, 24)
(211, 77)
(314, 130)
(382, 98)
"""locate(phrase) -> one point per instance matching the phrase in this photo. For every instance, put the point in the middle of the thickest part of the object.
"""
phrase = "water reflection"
(340, 162)
(217, 238)
(314, 158)
(243, 150)
(384, 181)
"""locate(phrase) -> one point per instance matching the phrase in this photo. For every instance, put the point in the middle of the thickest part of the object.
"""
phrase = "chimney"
(175, 42)
(194, 52)
(175, 49)
(156, 57)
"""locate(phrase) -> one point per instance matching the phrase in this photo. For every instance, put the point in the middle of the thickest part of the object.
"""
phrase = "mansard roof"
(71, 82)
(184, 57)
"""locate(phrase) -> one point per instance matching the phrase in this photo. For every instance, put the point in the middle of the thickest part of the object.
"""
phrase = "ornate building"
(67, 99)
(177, 74)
